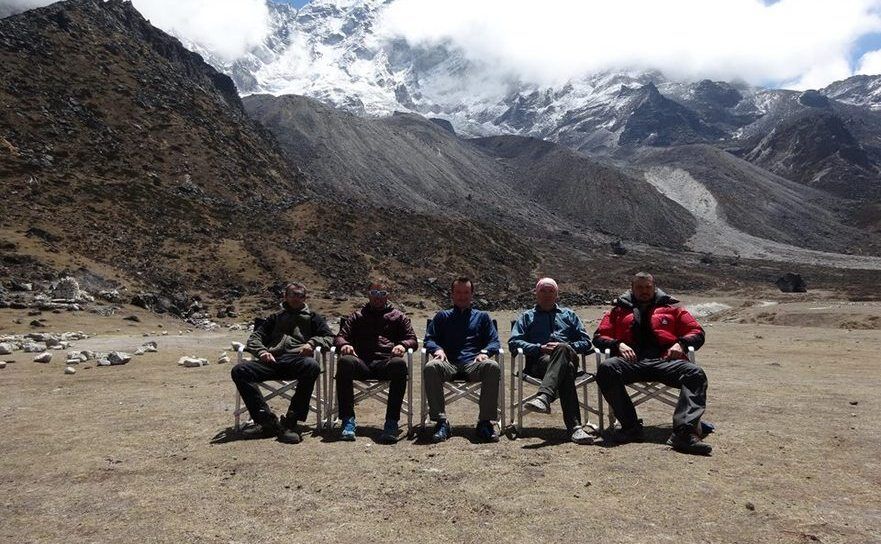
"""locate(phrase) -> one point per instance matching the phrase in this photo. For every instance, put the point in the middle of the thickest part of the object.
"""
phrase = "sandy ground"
(113, 454)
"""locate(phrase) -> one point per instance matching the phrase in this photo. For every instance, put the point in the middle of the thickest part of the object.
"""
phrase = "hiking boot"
(579, 436)
(441, 431)
(625, 436)
(486, 431)
(288, 432)
(686, 441)
(348, 432)
(389, 432)
(540, 404)
(266, 429)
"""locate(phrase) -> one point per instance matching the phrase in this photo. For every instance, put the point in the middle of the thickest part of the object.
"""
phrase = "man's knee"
(433, 368)
(694, 375)
(396, 368)
(239, 373)
(608, 370)
(345, 367)
(565, 349)
(310, 368)
(490, 369)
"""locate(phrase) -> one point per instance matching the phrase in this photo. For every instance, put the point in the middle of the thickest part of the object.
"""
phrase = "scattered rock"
(44, 357)
(119, 357)
(36, 323)
(33, 347)
(750, 506)
(618, 247)
(134, 318)
(191, 362)
(70, 370)
(150, 347)
(791, 283)
(854, 402)
(5, 349)
(2, 365)
(140, 351)
(103, 362)
(67, 289)
(223, 359)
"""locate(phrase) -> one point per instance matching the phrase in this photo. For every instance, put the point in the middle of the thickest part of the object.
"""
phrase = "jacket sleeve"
(256, 344)
(491, 335)
(518, 339)
(344, 338)
(408, 335)
(688, 331)
(581, 341)
(604, 338)
(321, 334)
(431, 334)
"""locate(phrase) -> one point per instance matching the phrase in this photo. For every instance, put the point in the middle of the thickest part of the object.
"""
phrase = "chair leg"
(502, 399)
(410, 395)
(520, 396)
(238, 414)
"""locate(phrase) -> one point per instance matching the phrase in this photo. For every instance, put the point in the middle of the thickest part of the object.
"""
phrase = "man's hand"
(627, 352)
(675, 352)
(348, 350)
(549, 347)
(439, 354)
(267, 358)
(306, 350)
(398, 350)
(481, 357)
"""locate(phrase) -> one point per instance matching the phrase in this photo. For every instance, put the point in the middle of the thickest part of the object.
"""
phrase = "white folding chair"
(519, 376)
(641, 392)
(460, 388)
(367, 389)
(285, 389)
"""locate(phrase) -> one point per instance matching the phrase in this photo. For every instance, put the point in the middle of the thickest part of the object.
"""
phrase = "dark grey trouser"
(486, 372)
(557, 374)
(615, 372)
(286, 367)
(393, 369)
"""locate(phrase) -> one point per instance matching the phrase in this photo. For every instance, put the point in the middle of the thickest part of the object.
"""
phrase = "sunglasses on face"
(378, 293)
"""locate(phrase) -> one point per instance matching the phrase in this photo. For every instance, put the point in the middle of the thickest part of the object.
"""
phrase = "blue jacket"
(462, 334)
(535, 328)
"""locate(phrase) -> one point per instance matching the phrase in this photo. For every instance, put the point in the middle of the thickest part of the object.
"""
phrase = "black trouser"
(286, 367)
(614, 373)
(351, 368)
(557, 373)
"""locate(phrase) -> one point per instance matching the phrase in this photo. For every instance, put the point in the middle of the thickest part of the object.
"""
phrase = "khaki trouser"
(486, 372)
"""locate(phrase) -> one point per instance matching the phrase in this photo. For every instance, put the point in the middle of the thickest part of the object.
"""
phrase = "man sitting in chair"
(283, 345)
(461, 341)
(372, 343)
(649, 338)
(551, 338)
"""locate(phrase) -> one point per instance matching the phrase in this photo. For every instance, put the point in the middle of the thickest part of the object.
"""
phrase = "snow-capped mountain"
(341, 53)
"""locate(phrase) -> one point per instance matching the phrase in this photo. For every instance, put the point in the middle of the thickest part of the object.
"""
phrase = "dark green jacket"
(288, 331)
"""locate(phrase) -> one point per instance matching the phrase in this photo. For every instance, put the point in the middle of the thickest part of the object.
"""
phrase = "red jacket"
(669, 324)
(373, 333)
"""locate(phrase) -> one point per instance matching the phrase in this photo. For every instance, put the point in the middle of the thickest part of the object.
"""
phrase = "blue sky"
(295, 3)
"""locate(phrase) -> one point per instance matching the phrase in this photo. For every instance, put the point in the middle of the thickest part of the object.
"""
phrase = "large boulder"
(6, 348)
(119, 357)
(44, 357)
(791, 283)
(67, 289)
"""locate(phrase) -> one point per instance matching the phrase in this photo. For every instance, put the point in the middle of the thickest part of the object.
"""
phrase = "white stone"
(103, 362)
(70, 370)
(2, 365)
(34, 347)
(68, 289)
(44, 357)
(5, 349)
(139, 351)
(192, 362)
(238, 346)
(150, 347)
(119, 357)
(223, 359)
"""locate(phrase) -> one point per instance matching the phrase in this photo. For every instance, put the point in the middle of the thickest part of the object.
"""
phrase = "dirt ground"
(112, 454)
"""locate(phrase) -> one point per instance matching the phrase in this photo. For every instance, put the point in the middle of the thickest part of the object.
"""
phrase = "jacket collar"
(661, 299)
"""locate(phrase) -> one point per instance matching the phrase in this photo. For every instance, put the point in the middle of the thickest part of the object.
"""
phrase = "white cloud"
(225, 27)
(805, 42)
(870, 63)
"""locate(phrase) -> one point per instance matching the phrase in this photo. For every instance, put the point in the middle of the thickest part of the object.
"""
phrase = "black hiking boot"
(686, 441)
(288, 431)
(267, 429)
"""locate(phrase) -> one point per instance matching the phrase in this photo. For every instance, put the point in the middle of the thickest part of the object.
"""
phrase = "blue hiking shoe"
(348, 432)
(486, 431)
(389, 432)
(441, 431)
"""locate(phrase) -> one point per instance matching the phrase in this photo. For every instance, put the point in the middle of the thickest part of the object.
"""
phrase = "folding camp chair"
(366, 389)
(643, 391)
(285, 389)
(459, 388)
